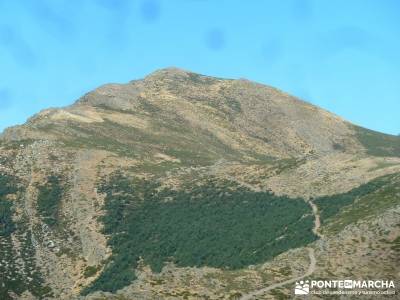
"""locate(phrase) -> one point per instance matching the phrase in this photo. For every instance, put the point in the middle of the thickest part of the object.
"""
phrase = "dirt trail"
(311, 254)
(310, 270)
(317, 222)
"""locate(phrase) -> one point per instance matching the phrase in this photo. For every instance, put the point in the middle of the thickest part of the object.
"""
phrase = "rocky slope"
(79, 184)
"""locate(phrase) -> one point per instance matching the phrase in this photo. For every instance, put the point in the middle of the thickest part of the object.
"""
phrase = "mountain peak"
(239, 117)
(177, 74)
(167, 80)
(169, 71)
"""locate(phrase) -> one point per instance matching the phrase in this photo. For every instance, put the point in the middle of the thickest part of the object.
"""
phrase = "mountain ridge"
(147, 190)
(172, 90)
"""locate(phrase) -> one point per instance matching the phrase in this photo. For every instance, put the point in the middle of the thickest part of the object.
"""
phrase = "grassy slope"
(378, 144)
(192, 146)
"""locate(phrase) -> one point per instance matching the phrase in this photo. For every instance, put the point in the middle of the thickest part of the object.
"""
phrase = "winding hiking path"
(317, 221)
(311, 255)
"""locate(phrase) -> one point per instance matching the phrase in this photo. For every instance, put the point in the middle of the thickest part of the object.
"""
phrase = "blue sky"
(342, 55)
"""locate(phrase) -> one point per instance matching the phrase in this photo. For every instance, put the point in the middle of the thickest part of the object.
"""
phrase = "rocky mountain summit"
(184, 186)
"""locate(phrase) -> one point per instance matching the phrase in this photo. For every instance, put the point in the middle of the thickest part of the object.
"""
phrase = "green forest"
(331, 205)
(7, 187)
(13, 276)
(49, 199)
(217, 224)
